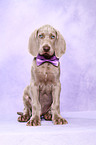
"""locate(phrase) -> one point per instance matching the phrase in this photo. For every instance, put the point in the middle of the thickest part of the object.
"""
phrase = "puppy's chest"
(47, 73)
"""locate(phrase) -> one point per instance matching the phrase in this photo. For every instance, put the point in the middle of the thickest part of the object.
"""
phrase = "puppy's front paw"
(59, 120)
(34, 121)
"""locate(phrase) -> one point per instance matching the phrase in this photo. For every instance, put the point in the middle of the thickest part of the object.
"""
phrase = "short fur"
(42, 96)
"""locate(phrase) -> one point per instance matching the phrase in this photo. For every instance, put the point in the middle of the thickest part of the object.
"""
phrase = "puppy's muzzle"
(46, 48)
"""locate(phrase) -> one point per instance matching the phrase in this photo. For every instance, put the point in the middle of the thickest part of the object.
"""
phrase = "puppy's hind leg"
(48, 115)
(25, 116)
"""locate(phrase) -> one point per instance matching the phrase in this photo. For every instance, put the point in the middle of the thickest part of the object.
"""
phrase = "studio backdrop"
(76, 21)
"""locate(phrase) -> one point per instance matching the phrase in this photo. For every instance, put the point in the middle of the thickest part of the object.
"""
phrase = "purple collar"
(41, 59)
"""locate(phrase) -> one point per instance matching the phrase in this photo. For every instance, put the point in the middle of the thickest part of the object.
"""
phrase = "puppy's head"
(47, 41)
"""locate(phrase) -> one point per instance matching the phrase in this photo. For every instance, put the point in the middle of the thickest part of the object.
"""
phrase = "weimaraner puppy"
(42, 97)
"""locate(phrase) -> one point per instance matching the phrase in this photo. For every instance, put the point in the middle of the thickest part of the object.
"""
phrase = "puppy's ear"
(33, 43)
(60, 45)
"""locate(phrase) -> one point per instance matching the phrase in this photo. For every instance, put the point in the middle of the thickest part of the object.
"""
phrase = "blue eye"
(52, 37)
(41, 36)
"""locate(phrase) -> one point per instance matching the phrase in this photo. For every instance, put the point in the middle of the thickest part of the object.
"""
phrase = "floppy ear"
(33, 44)
(60, 45)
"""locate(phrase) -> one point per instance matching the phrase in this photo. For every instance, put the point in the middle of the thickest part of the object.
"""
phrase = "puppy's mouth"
(47, 56)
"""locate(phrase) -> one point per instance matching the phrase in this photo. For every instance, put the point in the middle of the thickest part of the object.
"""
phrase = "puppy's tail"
(20, 113)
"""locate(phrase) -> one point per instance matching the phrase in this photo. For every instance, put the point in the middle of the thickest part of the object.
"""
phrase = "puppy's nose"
(46, 48)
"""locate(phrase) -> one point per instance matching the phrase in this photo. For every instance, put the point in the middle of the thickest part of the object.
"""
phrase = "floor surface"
(80, 130)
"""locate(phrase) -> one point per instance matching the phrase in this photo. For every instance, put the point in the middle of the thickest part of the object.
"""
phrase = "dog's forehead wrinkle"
(47, 29)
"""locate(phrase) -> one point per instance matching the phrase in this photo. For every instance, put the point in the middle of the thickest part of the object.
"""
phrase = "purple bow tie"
(41, 59)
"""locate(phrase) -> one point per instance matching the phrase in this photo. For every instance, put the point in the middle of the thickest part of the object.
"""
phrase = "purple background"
(76, 20)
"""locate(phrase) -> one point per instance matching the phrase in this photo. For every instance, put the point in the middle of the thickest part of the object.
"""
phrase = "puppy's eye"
(41, 36)
(52, 37)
